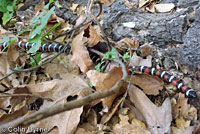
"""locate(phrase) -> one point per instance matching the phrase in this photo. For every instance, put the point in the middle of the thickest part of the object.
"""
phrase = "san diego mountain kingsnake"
(144, 69)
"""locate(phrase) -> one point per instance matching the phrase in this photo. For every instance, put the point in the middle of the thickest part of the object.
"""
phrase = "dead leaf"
(91, 124)
(125, 126)
(127, 41)
(182, 109)
(188, 130)
(16, 100)
(106, 1)
(131, 4)
(106, 117)
(12, 55)
(197, 129)
(134, 113)
(4, 70)
(181, 123)
(66, 122)
(4, 33)
(59, 90)
(104, 81)
(138, 61)
(164, 8)
(150, 84)
(79, 21)
(94, 36)
(53, 69)
(40, 6)
(183, 113)
(146, 50)
(73, 7)
(80, 54)
(143, 3)
(151, 8)
(82, 131)
(16, 114)
(158, 119)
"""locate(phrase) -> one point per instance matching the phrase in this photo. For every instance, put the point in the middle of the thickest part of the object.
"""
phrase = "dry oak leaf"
(4, 70)
(106, 117)
(82, 131)
(104, 81)
(80, 54)
(131, 4)
(150, 84)
(91, 124)
(146, 50)
(139, 61)
(59, 90)
(12, 116)
(182, 109)
(127, 41)
(143, 3)
(182, 123)
(66, 122)
(125, 127)
(12, 55)
(188, 130)
(94, 36)
(106, 1)
(4, 32)
(158, 119)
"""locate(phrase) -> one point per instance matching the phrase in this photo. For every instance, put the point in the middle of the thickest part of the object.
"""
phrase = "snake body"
(43, 47)
(144, 69)
(167, 77)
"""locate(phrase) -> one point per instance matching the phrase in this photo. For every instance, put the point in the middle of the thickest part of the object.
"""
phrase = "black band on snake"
(148, 70)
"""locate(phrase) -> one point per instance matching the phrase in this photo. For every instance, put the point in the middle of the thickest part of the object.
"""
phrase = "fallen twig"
(44, 113)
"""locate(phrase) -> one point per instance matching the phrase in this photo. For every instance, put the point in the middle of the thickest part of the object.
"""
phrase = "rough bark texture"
(163, 29)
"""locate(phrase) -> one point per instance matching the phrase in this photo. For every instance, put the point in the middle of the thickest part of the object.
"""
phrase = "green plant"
(7, 7)
(111, 54)
(35, 60)
(126, 55)
(99, 67)
(38, 25)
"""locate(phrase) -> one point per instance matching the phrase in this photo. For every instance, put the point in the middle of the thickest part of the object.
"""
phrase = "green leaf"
(90, 84)
(126, 55)
(37, 31)
(6, 17)
(110, 54)
(37, 40)
(98, 67)
(35, 60)
(7, 7)
(3, 4)
(46, 17)
(51, 30)
(16, 68)
(39, 28)
(5, 39)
